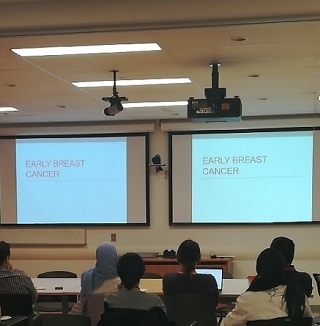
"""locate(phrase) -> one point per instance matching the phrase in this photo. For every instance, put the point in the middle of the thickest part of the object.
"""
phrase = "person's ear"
(8, 263)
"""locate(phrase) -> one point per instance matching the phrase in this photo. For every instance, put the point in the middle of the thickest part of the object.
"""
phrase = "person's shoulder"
(299, 276)
(251, 296)
(110, 285)
(151, 296)
(114, 294)
(305, 275)
(206, 278)
(171, 276)
(19, 272)
(85, 273)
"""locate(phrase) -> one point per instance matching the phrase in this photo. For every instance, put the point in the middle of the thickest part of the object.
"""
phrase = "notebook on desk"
(217, 273)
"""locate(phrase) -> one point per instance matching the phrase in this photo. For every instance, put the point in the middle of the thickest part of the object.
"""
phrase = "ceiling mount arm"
(215, 76)
(215, 93)
(115, 93)
(115, 100)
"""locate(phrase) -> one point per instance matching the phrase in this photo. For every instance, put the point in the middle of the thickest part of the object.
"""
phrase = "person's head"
(285, 246)
(270, 269)
(4, 252)
(270, 264)
(188, 255)
(130, 269)
(106, 260)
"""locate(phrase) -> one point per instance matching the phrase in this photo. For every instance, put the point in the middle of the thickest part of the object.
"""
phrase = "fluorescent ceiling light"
(7, 109)
(154, 104)
(90, 49)
(137, 82)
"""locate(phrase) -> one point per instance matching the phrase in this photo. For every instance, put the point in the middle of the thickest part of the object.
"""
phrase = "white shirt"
(260, 305)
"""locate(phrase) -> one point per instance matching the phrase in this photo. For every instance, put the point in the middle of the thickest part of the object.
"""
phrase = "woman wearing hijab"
(270, 295)
(97, 282)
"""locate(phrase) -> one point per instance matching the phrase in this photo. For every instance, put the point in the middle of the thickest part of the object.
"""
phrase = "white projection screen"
(75, 180)
(244, 176)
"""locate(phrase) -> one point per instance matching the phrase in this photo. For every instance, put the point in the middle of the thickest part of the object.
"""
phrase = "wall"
(244, 242)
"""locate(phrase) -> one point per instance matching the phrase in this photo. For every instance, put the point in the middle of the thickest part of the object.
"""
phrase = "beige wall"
(244, 242)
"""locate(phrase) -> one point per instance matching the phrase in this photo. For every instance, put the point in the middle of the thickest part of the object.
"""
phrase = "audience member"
(130, 305)
(103, 277)
(130, 269)
(97, 282)
(270, 295)
(286, 247)
(188, 281)
(13, 280)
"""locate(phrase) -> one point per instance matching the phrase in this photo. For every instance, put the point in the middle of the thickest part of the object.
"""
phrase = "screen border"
(171, 134)
(146, 135)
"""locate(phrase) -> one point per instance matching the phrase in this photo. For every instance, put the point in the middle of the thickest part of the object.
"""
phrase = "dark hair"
(188, 255)
(285, 246)
(270, 270)
(130, 269)
(4, 251)
(270, 266)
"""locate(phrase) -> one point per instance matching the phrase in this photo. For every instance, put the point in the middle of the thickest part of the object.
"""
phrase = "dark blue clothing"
(178, 283)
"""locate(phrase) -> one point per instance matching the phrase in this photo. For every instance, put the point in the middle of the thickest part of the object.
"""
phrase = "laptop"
(216, 272)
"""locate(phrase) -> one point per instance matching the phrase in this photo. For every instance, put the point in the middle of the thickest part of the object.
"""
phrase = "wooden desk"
(231, 288)
(163, 266)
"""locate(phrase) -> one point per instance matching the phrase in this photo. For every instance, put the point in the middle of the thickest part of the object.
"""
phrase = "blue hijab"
(105, 269)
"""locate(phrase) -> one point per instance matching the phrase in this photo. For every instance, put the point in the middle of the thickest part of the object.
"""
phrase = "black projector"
(215, 110)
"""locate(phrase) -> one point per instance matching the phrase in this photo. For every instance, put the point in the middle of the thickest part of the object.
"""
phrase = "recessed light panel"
(7, 109)
(155, 104)
(91, 49)
(134, 82)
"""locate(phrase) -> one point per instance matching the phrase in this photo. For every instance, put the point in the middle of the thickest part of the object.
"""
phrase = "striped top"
(17, 282)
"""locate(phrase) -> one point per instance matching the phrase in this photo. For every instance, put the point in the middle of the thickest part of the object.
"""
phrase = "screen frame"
(171, 134)
(146, 136)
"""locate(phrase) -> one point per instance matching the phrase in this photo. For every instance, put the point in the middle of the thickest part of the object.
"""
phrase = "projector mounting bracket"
(115, 98)
(215, 93)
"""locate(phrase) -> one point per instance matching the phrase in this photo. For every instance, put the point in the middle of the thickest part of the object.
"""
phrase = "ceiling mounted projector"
(215, 106)
(115, 100)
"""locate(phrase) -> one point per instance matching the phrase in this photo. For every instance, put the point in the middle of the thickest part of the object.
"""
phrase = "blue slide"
(78, 180)
(252, 177)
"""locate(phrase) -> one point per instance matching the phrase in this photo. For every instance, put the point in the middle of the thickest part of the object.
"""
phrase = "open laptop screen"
(215, 272)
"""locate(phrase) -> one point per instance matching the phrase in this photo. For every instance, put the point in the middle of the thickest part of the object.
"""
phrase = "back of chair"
(16, 304)
(57, 274)
(61, 320)
(133, 317)
(36, 320)
(317, 278)
(183, 309)
(284, 321)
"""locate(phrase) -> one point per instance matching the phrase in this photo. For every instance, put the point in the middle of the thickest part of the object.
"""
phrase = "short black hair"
(270, 264)
(4, 251)
(285, 246)
(188, 254)
(130, 269)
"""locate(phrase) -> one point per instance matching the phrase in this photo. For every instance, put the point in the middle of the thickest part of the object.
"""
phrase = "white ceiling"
(282, 47)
